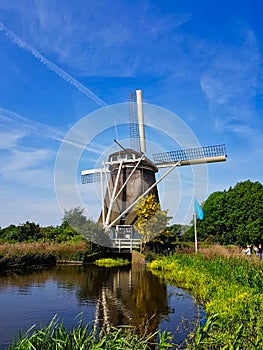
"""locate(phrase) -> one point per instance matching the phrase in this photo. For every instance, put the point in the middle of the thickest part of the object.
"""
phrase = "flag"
(198, 210)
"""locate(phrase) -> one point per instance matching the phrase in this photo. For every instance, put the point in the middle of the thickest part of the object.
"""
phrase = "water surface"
(107, 296)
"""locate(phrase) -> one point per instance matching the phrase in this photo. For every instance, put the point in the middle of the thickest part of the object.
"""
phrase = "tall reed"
(84, 337)
(60, 250)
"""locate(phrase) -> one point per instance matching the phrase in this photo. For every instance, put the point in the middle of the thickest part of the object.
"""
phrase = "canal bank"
(36, 255)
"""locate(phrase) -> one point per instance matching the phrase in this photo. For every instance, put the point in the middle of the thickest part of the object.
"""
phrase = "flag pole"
(196, 242)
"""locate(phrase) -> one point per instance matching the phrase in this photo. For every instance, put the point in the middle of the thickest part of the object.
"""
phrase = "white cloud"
(32, 169)
(21, 159)
(229, 82)
(10, 139)
(233, 124)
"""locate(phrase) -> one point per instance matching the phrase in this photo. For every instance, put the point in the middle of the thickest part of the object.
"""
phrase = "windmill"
(129, 174)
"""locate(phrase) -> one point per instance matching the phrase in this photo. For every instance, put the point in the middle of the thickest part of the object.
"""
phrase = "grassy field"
(231, 289)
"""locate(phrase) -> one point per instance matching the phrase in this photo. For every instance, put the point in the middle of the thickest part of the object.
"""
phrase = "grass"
(55, 336)
(229, 251)
(108, 262)
(231, 290)
(59, 249)
(29, 254)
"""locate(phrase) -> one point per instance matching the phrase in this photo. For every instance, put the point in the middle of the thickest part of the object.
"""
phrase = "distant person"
(248, 250)
(260, 251)
(256, 250)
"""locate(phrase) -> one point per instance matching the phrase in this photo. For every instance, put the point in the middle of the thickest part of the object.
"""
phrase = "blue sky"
(62, 61)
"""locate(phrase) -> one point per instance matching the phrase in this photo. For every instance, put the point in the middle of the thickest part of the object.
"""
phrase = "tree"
(151, 219)
(28, 231)
(178, 231)
(75, 218)
(234, 216)
(87, 228)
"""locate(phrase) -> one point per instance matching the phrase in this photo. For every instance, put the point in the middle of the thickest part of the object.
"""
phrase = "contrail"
(43, 130)
(51, 66)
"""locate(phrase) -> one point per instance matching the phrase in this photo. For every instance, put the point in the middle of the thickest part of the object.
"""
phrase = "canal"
(109, 297)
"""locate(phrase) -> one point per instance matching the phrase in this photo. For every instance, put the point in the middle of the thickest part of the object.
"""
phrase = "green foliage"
(75, 228)
(178, 230)
(60, 234)
(231, 290)
(161, 244)
(151, 219)
(232, 217)
(55, 336)
(150, 256)
(25, 232)
(169, 241)
(108, 262)
(88, 229)
(31, 232)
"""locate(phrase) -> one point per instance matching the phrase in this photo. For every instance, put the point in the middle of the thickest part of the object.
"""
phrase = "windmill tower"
(130, 175)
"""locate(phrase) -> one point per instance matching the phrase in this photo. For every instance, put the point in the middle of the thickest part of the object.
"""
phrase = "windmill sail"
(207, 154)
(136, 121)
(140, 120)
(133, 122)
(94, 175)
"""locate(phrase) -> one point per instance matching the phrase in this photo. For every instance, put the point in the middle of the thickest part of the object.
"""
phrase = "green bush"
(108, 262)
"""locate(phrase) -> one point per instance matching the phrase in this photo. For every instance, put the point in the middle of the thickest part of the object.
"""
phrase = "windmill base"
(124, 238)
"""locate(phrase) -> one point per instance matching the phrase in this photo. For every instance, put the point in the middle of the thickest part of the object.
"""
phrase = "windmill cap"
(132, 154)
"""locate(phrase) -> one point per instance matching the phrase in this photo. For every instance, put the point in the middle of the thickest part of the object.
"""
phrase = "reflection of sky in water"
(180, 303)
(35, 298)
(21, 308)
